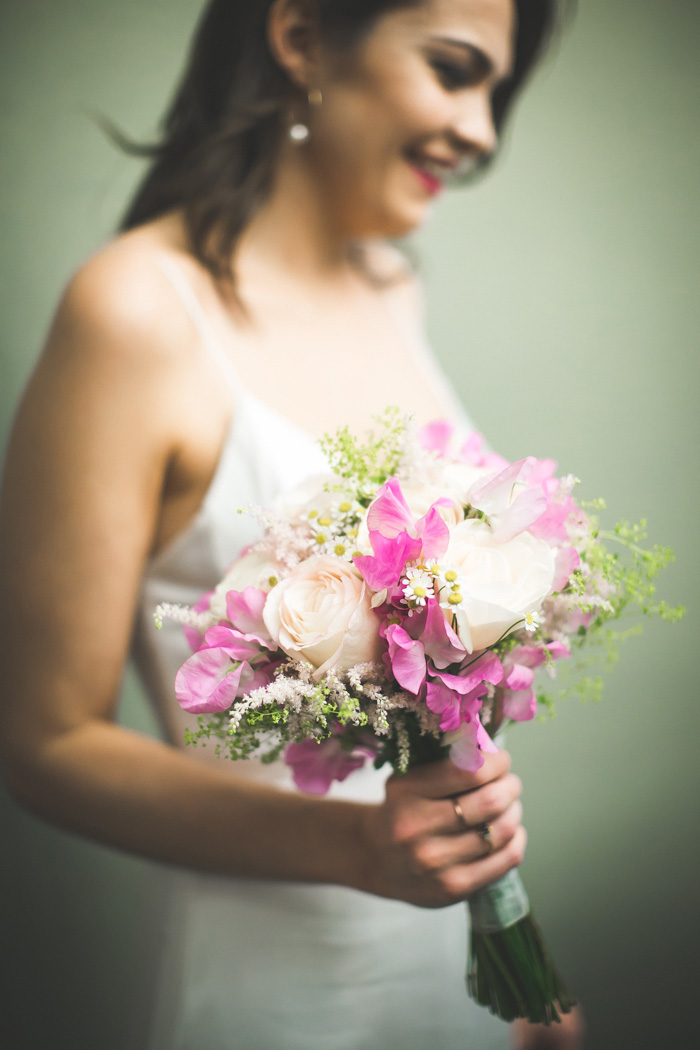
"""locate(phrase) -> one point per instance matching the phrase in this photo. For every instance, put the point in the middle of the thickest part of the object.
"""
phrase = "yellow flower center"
(339, 549)
(450, 576)
(345, 507)
(455, 598)
(325, 522)
(420, 592)
(273, 581)
(321, 538)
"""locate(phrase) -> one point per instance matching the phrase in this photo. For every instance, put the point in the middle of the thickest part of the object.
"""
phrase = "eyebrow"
(484, 65)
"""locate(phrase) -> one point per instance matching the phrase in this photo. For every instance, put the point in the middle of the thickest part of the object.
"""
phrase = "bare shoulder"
(121, 301)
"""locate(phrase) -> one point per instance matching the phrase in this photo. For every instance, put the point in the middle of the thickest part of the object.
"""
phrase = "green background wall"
(561, 302)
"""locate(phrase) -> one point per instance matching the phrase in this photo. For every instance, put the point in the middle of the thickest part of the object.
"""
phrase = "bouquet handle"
(510, 969)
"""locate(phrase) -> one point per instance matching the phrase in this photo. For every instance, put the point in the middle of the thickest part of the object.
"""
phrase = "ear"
(293, 38)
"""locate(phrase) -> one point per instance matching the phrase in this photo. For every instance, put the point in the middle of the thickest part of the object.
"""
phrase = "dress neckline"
(246, 411)
(243, 399)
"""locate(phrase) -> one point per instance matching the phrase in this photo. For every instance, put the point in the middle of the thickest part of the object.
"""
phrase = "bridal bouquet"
(397, 610)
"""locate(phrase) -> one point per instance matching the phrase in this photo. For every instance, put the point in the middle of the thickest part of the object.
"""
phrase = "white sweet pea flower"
(250, 570)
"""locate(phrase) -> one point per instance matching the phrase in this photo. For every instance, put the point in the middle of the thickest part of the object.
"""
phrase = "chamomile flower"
(418, 587)
(345, 510)
(532, 621)
(324, 531)
(342, 547)
(451, 599)
(449, 580)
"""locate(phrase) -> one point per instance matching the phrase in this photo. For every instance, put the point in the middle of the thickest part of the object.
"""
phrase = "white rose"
(321, 613)
(252, 570)
(501, 582)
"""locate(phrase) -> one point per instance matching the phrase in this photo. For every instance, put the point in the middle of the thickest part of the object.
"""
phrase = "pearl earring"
(299, 132)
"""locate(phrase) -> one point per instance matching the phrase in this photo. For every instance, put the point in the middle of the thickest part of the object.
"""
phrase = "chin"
(395, 224)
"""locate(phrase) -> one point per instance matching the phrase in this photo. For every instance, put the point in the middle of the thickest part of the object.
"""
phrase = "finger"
(480, 806)
(440, 779)
(438, 853)
(462, 880)
(483, 805)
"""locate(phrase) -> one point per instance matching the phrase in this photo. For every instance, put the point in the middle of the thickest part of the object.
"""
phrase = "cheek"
(381, 112)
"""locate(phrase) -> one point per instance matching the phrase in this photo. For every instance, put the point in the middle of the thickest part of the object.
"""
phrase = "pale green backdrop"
(562, 301)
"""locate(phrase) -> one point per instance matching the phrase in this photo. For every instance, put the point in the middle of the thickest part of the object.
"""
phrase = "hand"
(420, 850)
(565, 1036)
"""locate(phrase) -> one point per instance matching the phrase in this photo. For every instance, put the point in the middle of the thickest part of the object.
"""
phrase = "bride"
(252, 302)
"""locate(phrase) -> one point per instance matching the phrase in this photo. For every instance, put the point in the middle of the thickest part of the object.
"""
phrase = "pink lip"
(431, 183)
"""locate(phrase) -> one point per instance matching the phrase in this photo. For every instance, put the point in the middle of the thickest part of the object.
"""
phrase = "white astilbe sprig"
(285, 543)
(403, 742)
(183, 614)
(363, 673)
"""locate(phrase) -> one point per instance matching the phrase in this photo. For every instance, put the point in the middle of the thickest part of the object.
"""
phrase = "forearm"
(137, 794)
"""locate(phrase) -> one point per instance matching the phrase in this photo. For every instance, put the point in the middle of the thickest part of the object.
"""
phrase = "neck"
(296, 231)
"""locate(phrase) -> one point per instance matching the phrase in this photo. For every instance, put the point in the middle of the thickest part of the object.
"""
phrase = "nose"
(472, 125)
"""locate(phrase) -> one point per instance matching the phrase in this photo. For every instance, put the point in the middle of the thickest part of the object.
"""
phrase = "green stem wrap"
(510, 970)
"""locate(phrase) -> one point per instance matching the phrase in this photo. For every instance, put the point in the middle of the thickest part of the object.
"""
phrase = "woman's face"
(409, 108)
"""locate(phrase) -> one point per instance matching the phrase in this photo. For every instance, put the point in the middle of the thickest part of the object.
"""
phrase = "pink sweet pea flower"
(567, 559)
(384, 568)
(193, 636)
(441, 643)
(455, 707)
(454, 696)
(316, 764)
(469, 744)
(551, 526)
(389, 515)
(472, 452)
(229, 663)
(436, 436)
(519, 700)
(213, 677)
(244, 609)
(406, 658)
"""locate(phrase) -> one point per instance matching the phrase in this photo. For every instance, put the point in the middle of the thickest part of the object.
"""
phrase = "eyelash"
(450, 75)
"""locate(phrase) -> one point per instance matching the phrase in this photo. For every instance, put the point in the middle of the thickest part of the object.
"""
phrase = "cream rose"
(321, 613)
(500, 582)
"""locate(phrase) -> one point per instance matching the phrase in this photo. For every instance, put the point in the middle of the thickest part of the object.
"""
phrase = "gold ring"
(460, 816)
(484, 832)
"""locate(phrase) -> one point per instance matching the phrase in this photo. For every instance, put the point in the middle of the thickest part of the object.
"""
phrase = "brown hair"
(223, 131)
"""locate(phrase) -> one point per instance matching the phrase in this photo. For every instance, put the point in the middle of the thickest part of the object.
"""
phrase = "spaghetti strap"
(185, 293)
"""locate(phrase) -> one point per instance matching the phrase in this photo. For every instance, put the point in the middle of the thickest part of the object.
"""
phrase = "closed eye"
(453, 76)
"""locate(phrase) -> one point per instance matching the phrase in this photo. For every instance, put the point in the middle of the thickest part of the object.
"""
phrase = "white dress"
(267, 965)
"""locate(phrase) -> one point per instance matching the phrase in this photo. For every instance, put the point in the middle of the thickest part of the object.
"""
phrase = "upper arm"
(83, 477)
